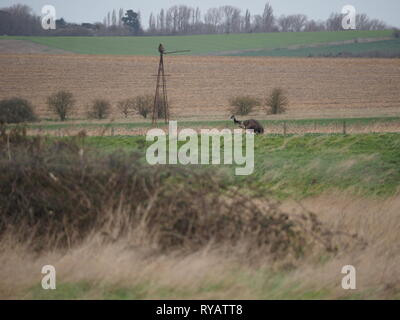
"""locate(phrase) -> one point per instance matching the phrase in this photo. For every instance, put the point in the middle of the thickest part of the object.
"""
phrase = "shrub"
(16, 110)
(143, 105)
(277, 101)
(396, 33)
(125, 106)
(100, 109)
(61, 103)
(243, 105)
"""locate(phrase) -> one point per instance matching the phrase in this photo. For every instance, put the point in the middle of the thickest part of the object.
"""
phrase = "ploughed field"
(200, 87)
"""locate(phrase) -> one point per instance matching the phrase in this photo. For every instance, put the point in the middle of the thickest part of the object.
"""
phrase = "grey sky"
(95, 10)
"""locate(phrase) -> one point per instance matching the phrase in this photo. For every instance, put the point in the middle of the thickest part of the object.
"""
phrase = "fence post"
(284, 129)
(344, 127)
(112, 131)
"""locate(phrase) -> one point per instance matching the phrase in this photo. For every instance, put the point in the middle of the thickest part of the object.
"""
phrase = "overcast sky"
(95, 10)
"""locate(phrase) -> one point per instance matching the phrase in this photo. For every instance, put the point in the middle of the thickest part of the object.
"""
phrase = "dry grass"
(201, 86)
(223, 273)
(377, 263)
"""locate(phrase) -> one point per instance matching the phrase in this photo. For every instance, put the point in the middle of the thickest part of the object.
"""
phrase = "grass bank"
(306, 165)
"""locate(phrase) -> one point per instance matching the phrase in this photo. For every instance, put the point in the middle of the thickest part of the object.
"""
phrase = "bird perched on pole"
(161, 48)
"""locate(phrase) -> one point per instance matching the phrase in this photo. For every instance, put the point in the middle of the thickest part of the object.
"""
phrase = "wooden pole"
(161, 101)
(165, 97)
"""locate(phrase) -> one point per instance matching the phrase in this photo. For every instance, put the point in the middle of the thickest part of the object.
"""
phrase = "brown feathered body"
(253, 124)
(250, 124)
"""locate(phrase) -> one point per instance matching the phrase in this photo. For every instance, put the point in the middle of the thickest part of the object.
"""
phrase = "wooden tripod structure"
(161, 97)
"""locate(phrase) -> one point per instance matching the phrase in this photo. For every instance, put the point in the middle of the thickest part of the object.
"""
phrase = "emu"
(249, 124)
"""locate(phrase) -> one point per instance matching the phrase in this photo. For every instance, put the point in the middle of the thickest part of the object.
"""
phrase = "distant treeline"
(178, 20)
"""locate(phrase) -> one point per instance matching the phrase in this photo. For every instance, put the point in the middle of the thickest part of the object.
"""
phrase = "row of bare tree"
(19, 20)
(182, 19)
(228, 19)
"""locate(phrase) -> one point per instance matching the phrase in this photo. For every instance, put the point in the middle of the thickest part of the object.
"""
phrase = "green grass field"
(384, 47)
(199, 44)
(307, 165)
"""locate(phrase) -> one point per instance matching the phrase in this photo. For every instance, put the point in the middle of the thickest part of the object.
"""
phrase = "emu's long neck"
(236, 122)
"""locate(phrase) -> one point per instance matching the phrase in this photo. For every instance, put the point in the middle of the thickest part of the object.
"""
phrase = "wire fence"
(283, 128)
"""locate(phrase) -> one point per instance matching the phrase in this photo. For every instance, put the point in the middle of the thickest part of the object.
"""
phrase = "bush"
(100, 109)
(143, 105)
(61, 103)
(125, 106)
(277, 101)
(243, 105)
(396, 33)
(16, 110)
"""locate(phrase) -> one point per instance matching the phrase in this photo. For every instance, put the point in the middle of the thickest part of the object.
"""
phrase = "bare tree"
(161, 21)
(19, 20)
(365, 23)
(231, 17)
(236, 21)
(126, 106)
(312, 26)
(144, 104)
(152, 24)
(213, 19)
(169, 21)
(120, 15)
(376, 24)
(108, 19)
(277, 101)
(268, 19)
(284, 23)
(197, 16)
(247, 21)
(334, 22)
(100, 109)
(61, 103)
(243, 105)
(298, 22)
(114, 18)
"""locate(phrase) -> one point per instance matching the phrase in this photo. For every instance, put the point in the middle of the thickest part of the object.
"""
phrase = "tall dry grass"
(224, 272)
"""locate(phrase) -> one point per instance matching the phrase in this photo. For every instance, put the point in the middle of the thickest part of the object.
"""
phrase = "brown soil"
(200, 87)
